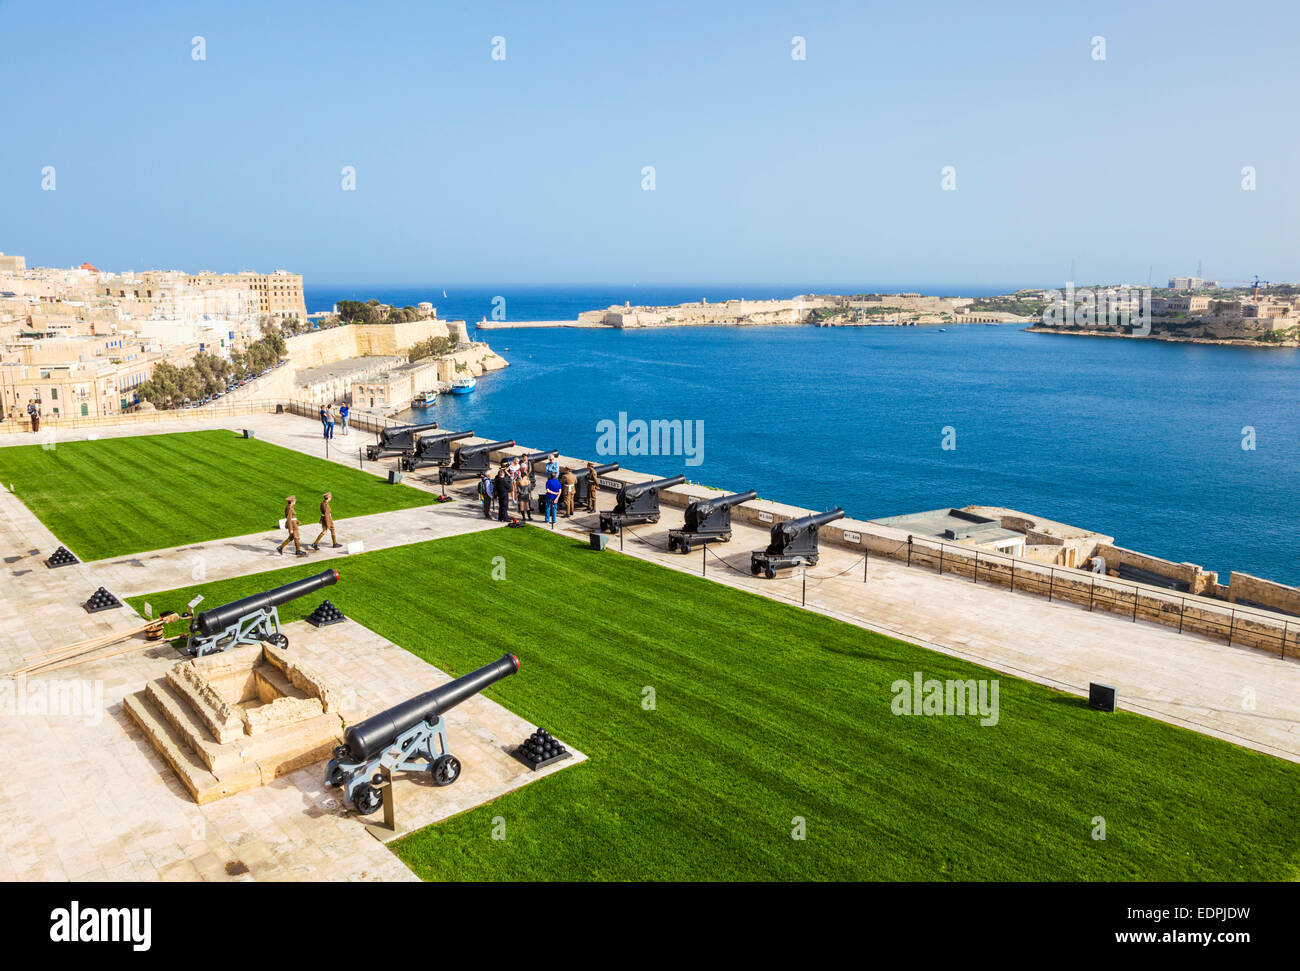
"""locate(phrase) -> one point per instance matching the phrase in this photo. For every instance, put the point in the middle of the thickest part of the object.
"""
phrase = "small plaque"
(852, 537)
(355, 547)
(764, 517)
(148, 611)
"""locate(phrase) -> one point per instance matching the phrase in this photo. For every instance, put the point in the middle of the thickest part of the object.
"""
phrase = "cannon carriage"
(471, 460)
(793, 542)
(432, 449)
(250, 620)
(407, 732)
(707, 521)
(398, 438)
(637, 503)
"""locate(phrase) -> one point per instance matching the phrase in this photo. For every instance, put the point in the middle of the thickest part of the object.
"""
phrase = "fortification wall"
(360, 340)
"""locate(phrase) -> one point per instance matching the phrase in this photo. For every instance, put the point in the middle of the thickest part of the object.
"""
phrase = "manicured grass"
(127, 495)
(765, 713)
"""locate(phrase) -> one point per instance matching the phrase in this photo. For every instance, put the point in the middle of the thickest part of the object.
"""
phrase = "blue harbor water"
(1138, 439)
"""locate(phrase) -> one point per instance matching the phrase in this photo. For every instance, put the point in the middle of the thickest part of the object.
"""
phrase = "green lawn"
(127, 495)
(766, 712)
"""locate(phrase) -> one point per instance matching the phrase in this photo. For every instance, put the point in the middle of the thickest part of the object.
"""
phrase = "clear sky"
(472, 170)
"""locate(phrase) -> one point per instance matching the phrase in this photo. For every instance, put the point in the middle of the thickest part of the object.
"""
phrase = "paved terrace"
(96, 802)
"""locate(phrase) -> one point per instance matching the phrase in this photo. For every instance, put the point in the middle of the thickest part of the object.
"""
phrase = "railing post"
(1051, 582)
(866, 559)
(909, 551)
(976, 578)
(1181, 612)
(1135, 604)
(1286, 626)
(1232, 625)
(1092, 592)
(940, 559)
(1013, 576)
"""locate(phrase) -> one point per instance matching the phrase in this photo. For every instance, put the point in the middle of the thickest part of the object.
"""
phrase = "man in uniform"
(326, 523)
(593, 486)
(291, 524)
(569, 481)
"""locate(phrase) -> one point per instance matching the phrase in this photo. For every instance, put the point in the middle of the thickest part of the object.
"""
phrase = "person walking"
(344, 411)
(485, 495)
(291, 524)
(326, 523)
(329, 422)
(570, 482)
(552, 499)
(502, 490)
(34, 415)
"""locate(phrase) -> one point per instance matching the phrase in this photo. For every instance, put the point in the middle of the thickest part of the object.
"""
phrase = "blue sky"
(471, 170)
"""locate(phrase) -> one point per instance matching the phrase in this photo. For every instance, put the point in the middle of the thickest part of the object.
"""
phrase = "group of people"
(514, 483)
(329, 415)
(291, 525)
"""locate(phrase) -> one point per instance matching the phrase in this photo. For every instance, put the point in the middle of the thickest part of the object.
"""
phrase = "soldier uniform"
(326, 523)
(291, 524)
(593, 486)
(568, 481)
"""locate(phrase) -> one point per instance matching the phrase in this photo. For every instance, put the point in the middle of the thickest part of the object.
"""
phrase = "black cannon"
(707, 521)
(471, 460)
(793, 542)
(637, 503)
(582, 490)
(398, 438)
(404, 732)
(435, 448)
(250, 620)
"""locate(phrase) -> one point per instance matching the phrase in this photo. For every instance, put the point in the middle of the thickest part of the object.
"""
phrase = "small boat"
(462, 385)
(425, 399)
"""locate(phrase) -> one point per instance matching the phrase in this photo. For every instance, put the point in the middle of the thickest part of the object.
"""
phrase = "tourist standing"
(552, 498)
(485, 495)
(326, 522)
(553, 466)
(34, 414)
(524, 488)
(344, 411)
(502, 489)
(329, 422)
(324, 428)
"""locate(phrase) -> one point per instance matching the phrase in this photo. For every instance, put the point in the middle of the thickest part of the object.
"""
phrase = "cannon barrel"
(445, 437)
(792, 526)
(485, 447)
(219, 618)
(533, 458)
(388, 434)
(368, 738)
(704, 507)
(635, 489)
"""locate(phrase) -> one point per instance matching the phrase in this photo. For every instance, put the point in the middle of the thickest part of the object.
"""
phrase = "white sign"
(852, 537)
(764, 517)
(148, 611)
(355, 547)
(195, 602)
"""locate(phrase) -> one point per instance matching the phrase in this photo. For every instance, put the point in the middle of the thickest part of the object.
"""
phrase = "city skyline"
(506, 145)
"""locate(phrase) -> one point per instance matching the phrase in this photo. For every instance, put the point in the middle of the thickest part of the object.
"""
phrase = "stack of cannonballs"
(101, 599)
(540, 749)
(325, 614)
(61, 557)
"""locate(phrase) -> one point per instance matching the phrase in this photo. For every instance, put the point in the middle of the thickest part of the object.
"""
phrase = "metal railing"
(1189, 613)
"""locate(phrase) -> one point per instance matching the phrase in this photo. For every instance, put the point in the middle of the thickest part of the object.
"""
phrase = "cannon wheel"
(654, 519)
(672, 543)
(279, 640)
(367, 799)
(770, 573)
(334, 776)
(686, 547)
(445, 770)
(755, 568)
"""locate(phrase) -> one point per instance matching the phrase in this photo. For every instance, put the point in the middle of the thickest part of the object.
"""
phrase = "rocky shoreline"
(1165, 338)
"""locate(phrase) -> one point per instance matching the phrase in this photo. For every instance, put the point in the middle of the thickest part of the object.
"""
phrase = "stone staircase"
(237, 720)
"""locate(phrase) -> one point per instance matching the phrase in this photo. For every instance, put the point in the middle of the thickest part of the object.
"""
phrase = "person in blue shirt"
(343, 416)
(553, 466)
(552, 497)
(485, 494)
